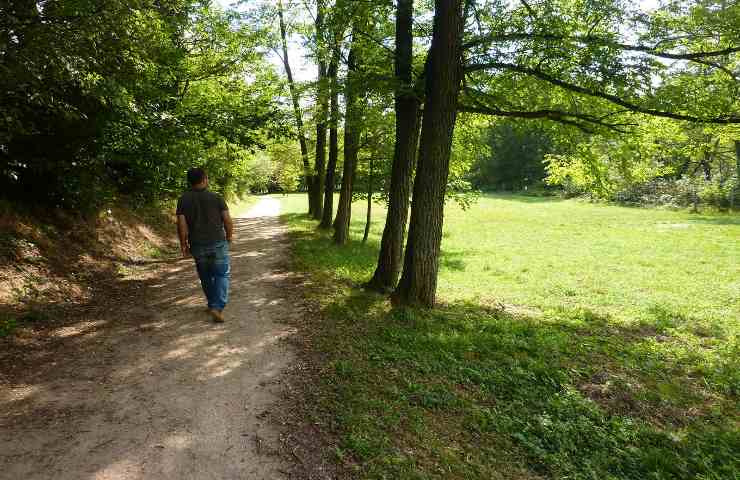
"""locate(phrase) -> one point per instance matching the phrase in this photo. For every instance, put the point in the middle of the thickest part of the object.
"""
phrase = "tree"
(407, 108)
(352, 131)
(331, 167)
(515, 153)
(418, 282)
(99, 98)
(563, 64)
(577, 67)
(316, 194)
(736, 193)
(296, 101)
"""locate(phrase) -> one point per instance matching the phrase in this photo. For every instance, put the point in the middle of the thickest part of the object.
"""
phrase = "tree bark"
(418, 282)
(369, 214)
(351, 140)
(331, 167)
(407, 106)
(322, 104)
(706, 166)
(296, 104)
(736, 193)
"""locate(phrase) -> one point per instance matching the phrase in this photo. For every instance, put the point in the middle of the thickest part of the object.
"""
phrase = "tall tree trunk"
(418, 282)
(404, 155)
(736, 193)
(322, 104)
(351, 140)
(707, 166)
(296, 104)
(369, 215)
(331, 167)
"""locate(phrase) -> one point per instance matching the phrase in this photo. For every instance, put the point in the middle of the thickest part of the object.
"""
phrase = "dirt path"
(157, 391)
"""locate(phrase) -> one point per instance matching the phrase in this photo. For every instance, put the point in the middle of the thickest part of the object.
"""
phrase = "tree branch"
(559, 117)
(591, 40)
(529, 9)
(489, 108)
(598, 94)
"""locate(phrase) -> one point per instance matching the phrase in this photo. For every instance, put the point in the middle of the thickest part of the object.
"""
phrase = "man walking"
(205, 229)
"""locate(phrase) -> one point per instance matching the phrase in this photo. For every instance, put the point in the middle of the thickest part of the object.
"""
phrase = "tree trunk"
(351, 140)
(418, 282)
(706, 166)
(322, 103)
(736, 193)
(296, 103)
(369, 200)
(404, 155)
(331, 167)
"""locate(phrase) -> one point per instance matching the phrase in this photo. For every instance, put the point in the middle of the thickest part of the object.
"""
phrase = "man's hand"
(182, 233)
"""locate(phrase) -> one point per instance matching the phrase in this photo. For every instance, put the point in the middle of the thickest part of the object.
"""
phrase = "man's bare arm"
(182, 233)
(228, 225)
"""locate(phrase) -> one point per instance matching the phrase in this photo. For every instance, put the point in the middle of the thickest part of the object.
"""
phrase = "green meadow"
(573, 340)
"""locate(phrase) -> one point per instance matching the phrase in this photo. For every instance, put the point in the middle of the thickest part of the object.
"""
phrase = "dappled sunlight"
(127, 469)
(176, 441)
(220, 368)
(191, 300)
(17, 393)
(79, 329)
(272, 339)
(248, 254)
(140, 395)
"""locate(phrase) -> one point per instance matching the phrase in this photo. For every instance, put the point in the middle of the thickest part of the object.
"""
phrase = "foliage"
(287, 172)
(376, 148)
(8, 323)
(660, 162)
(587, 63)
(106, 96)
(514, 153)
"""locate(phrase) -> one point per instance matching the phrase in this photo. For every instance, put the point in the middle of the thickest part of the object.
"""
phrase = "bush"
(687, 191)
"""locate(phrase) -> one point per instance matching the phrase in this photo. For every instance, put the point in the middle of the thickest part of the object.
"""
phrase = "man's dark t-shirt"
(202, 210)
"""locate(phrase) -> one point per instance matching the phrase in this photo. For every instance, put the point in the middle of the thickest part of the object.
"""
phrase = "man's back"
(202, 210)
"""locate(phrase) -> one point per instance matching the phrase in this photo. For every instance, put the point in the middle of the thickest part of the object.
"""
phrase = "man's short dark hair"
(196, 175)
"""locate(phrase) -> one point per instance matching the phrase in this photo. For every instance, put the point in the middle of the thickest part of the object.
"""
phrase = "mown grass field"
(574, 340)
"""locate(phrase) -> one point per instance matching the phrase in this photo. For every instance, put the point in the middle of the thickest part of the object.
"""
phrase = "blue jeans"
(214, 270)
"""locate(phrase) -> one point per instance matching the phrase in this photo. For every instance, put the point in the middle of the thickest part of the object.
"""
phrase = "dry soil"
(154, 389)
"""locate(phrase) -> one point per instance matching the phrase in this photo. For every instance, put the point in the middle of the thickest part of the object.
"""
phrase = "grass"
(9, 321)
(575, 341)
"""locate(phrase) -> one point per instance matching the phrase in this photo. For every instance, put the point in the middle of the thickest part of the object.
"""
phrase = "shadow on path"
(146, 387)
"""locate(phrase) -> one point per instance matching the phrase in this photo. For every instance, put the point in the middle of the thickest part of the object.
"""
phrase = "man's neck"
(200, 187)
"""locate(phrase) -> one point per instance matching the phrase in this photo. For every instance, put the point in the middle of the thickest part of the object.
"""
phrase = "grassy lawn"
(575, 341)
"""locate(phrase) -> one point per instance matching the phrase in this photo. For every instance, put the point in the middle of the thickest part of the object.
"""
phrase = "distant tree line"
(661, 162)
